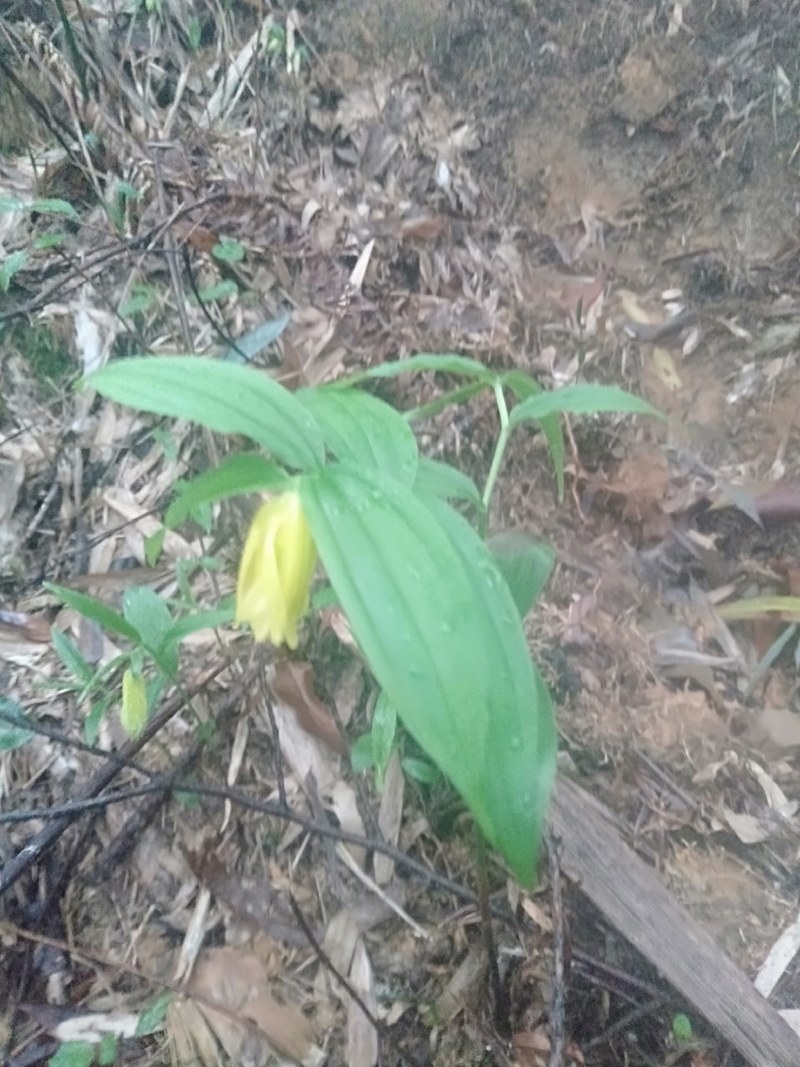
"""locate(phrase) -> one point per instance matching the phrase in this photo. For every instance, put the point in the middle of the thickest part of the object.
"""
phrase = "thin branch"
(557, 1001)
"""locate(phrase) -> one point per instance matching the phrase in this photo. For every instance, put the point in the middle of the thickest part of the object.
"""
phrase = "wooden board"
(637, 904)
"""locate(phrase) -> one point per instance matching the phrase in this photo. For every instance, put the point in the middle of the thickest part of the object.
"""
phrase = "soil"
(549, 184)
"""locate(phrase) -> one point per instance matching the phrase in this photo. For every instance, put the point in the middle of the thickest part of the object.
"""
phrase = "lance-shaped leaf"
(225, 397)
(242, 473)
(361, 429)
(581, 399)
(440, 630)
(525, 563)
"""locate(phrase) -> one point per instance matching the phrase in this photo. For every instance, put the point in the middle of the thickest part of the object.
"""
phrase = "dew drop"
(516, 744)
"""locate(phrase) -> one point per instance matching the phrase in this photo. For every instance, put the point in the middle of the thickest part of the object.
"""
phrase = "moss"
(45, 352)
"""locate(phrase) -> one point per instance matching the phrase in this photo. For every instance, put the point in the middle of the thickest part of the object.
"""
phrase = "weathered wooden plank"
(637, 904)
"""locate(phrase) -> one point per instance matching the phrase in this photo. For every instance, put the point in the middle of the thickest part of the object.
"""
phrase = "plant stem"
(499, 453)
(499, 995)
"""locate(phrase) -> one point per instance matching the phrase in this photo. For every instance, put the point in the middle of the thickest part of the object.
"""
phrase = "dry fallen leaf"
(362, 1037)
(251, 1027)
(293, 683)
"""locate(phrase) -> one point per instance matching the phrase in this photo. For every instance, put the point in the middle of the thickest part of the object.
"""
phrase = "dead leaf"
(390, 816)
(251, 1027)
(362, 1037)
(463, 985)
(747, 828)
(293, 683)
(781, 725)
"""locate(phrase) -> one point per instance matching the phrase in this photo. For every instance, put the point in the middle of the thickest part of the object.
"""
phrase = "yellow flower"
(134, 703)
(275, 572)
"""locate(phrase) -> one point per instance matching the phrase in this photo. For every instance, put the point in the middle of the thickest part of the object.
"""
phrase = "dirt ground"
(589, 191)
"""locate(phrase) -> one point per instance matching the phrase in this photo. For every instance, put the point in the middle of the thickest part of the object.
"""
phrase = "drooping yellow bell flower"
(275, 572)
(133, 714)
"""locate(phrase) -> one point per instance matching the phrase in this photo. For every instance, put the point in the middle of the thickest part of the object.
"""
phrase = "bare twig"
(329, 966)
(557, 1001)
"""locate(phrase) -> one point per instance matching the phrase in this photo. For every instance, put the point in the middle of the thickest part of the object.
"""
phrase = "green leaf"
(444, 482)
(203, 620)
(442, 635)
(13, 729)
(70, 655)
(12, 264)
(73, 1054)
(236, 475)
(43, 206)
(440, 403)
(580, 400)
(254, 342)
(96, 610)
(523, 386)
(49, 240)
(425, 361)
(141, 299)
(225, 397)
(682, 1028)
(361, 754)
(420, 770)
(525, 563)
(384, 728)
(228, 250)
(107, 1051)
(154, 546)
(144, 609)
(361, 429)
(222, 290)
(152, 1018)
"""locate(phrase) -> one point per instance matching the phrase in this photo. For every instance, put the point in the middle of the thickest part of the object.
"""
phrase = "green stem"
(499, 453)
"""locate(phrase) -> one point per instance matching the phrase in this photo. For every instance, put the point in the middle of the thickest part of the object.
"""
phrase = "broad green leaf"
(225, 397)
(236, 475)
(580, 400)
(426, 361)
(361, 429)
(444, 482)
(519, 751)
(442, 635)
(96, 610)
(144, 609)
(525, 563)
(14, 732)
(523, 386)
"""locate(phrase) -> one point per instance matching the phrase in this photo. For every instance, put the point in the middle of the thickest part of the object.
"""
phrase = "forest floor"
(587, 192)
